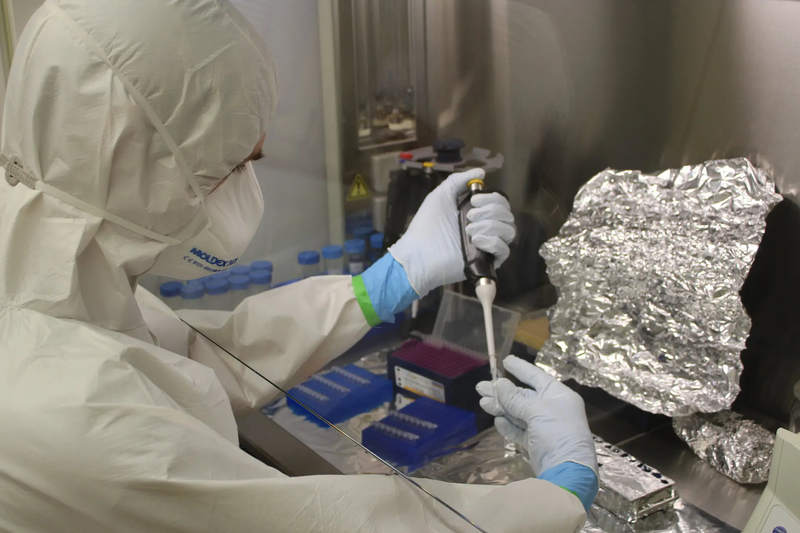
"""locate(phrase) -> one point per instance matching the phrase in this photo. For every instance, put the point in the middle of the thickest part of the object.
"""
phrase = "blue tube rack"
(339, 394)
(419, 433)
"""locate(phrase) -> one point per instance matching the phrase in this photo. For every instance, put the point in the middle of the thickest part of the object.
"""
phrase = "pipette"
(479, 270)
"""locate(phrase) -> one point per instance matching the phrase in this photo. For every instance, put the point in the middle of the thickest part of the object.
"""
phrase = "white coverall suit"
(113, 417)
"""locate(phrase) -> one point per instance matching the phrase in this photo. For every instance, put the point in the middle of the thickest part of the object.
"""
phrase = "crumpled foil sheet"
(737, 447)
(648, 269)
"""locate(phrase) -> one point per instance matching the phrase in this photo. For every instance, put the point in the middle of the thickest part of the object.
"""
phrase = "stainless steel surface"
(655, 443)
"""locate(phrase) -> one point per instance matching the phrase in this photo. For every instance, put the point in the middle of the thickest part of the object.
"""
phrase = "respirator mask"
(235, 209)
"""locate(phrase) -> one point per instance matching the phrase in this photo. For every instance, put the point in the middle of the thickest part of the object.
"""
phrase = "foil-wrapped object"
(737, 447)
(631, 489)
(648, 269)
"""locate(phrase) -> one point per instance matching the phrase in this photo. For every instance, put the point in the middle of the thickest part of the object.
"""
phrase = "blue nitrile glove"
(549, 421)
(430, 251)
(383, 290)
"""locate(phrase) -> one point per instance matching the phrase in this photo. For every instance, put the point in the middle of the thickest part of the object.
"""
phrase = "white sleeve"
(287, 334)
(137, 464)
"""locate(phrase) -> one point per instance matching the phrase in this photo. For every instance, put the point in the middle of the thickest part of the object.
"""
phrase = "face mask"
(234, 209)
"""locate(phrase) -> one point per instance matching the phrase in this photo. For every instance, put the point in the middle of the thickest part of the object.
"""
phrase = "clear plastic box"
(460, 321)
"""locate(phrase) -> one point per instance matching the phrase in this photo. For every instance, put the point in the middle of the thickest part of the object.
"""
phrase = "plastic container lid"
(261, 265)
(332, 251)
(355, 246)
(240, 270)
(405, 156)
(261, 277)
(170, 289)
(192, 291)
(376, 241)
(308, 258)
(238, 283)
(216, 286)
(363, 232)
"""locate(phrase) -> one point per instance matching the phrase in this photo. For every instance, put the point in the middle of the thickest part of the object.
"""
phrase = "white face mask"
(235, 209)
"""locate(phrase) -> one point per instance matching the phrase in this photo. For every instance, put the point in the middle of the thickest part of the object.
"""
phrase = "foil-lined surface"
(648, 269)
(484, 459)
(735, 446)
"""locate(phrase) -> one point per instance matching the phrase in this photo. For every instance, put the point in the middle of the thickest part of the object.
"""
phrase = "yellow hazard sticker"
(358, 190)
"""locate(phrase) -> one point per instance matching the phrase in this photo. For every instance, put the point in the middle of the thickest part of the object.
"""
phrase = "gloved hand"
(430, 251)
(548, 420)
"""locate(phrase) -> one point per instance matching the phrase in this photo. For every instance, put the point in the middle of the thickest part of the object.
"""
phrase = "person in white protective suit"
(124, 121)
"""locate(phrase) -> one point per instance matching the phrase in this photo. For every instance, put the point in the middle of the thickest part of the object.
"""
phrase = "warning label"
(358, 190)
(417, 384)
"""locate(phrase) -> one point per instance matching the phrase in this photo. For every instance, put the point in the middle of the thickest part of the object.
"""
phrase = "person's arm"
(286, 333)
(549, 421)
(139, 462)
(291, 332)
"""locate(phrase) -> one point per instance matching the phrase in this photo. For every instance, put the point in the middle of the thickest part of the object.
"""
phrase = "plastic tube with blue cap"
(309, 263)
(334, 259)
(171, 294)
(239, 288)
(260, 281)
(356, 255)
(192, 295)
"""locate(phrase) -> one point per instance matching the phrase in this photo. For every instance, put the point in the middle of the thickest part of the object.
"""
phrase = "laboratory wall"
(566, 88)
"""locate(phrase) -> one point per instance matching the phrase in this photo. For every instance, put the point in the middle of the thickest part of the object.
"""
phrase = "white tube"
(486, 293)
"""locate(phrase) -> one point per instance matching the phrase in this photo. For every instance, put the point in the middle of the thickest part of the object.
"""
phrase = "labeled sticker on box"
(413, 382)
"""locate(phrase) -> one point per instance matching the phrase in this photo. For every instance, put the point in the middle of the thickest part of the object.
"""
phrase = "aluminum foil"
(485, 459)
(648, 269)
(629, 488)
(737, 447)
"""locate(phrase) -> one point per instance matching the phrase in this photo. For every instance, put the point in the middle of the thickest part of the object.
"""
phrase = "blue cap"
(332, 251)
(355, 246)
(362, 232)
(261, 277)
(261, 265)
(225, 274)
(192, 291)
(216, 286)
(239, 283)
(240, 270)
(308, 258)
(287, 283)
(376, 241)
(170, 289)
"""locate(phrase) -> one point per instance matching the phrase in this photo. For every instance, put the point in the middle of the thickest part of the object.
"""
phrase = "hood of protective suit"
(120, 118)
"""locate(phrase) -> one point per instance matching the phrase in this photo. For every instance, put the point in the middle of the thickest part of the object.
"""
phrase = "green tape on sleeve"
(362, 296)
(570, 491)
